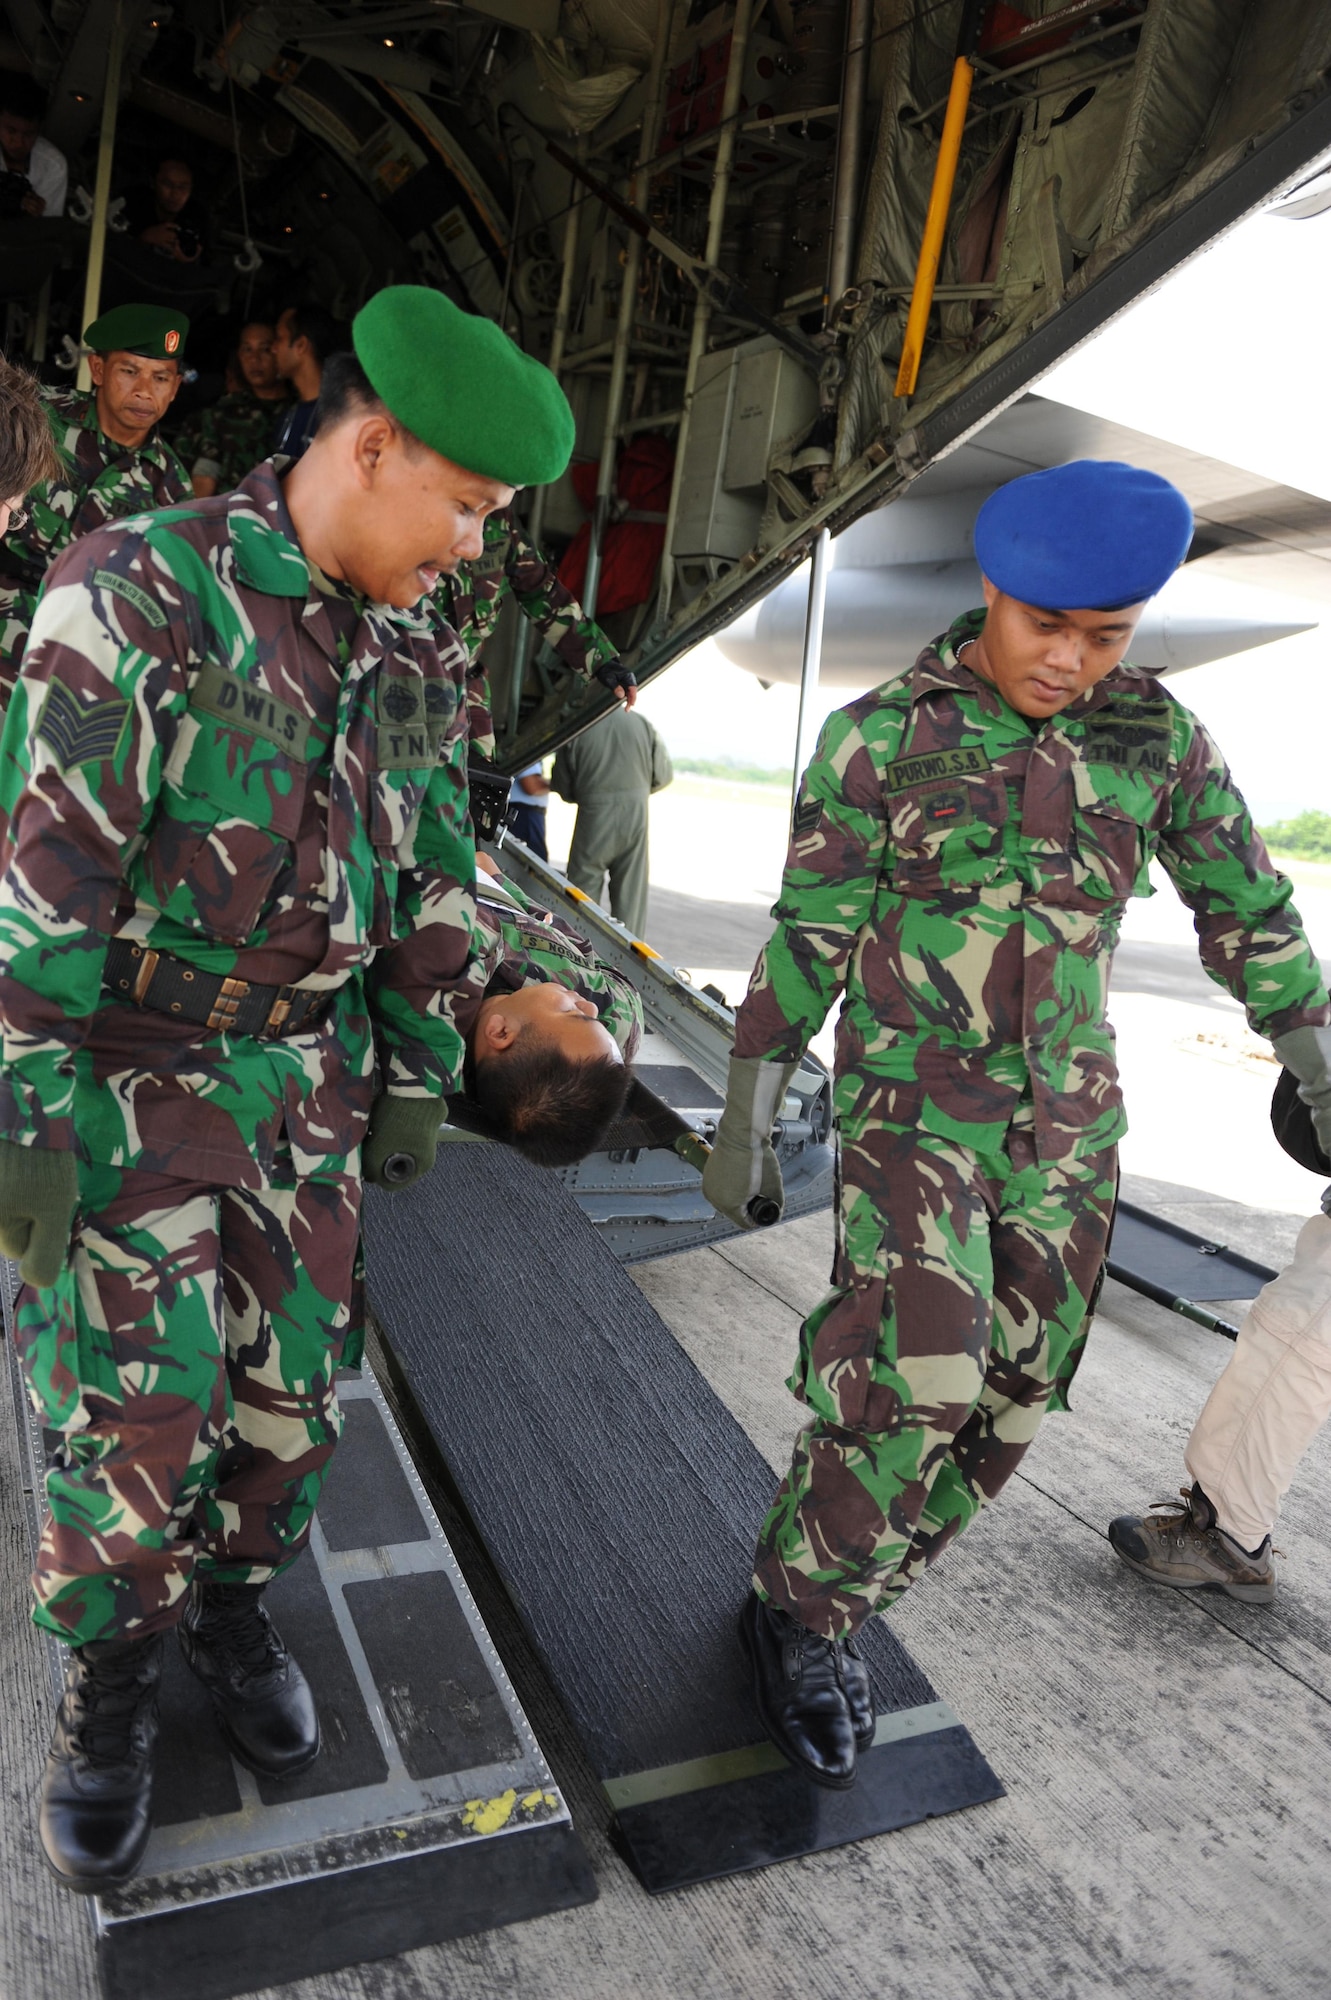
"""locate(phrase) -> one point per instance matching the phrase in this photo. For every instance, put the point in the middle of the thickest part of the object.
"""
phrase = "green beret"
(459, 384)
(159, 332)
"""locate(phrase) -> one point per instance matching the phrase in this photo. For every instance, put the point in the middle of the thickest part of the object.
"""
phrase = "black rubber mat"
(430, 1812)
(619, 1499)
(1177, 1261)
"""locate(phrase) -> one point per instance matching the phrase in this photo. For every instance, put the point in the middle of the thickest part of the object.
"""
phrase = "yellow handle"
(935, 222)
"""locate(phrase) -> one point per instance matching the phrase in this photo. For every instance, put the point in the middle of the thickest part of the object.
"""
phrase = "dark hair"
(345, 390)
(27, 450)
(548, 1107)
(21, 97)
(172, 160)
(324, 333)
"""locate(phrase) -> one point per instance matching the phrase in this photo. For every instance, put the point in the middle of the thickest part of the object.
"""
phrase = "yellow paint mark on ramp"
(489, 1815)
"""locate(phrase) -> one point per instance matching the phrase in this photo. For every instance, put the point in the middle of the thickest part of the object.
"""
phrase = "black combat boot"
(859, 1693)
(800, 1690)
(264, 1706)
(96, 1798)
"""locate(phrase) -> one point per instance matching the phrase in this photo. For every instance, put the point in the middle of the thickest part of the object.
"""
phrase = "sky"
(1227, 358)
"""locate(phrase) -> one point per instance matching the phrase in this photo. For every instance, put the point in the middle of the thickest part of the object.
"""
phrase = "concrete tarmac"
(1167, 1757)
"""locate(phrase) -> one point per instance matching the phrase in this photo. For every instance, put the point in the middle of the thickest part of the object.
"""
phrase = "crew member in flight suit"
(964, 844)
(240, 868)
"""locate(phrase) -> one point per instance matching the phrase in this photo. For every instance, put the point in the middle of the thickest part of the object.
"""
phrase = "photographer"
(33, 173)
(165, 215)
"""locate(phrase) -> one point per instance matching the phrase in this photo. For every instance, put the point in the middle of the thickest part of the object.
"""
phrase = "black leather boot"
(263, 1702)
(859, 1694)
(799, 1688)
(96, 1798)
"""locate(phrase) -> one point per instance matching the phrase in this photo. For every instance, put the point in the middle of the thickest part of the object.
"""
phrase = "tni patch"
(81, 732)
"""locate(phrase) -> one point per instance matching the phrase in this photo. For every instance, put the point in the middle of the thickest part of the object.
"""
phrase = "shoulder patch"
(906, 772)
(144, 603)
(80, 732)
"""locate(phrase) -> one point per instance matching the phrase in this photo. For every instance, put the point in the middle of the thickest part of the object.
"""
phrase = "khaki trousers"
(1273, 1397)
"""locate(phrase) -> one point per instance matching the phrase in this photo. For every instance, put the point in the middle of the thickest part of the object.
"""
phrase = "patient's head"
(547, 1077)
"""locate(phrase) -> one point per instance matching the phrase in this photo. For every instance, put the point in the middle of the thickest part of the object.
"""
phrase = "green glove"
(400, 1144)
(1307, 1051)
(39, 1191)
(744, 1169)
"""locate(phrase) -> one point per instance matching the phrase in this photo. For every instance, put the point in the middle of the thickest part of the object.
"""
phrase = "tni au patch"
(80, 732)
(1131, 736)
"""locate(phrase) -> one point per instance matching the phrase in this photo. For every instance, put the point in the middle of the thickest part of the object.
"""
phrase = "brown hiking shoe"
(1180, 1543)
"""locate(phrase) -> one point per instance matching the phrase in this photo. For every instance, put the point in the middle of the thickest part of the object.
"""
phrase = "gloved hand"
(743, 1167)
(400, 1144)
(618, 678)
(1307, 1052)
(39, 1191)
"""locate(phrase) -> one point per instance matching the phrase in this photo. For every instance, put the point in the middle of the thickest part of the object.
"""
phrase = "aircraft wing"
(1249, 529)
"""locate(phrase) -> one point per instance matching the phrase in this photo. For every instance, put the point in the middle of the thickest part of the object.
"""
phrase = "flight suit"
(960, 874)
(99, 481)
(471, 603)
(217, 755)
(608, 773)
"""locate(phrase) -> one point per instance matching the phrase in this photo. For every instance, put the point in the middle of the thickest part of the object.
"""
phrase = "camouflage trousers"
(961, 1291)
(185, 1360)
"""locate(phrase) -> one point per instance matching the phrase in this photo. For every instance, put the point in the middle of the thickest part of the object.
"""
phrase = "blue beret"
(1089, 536)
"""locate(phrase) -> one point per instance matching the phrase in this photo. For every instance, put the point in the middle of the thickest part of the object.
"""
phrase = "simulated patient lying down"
(548, 1054)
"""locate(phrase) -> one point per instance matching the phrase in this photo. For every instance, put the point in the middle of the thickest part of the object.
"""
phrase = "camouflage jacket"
(99, 481)
(961, 874)
(471, 601)
(520, 943)
(215, 752)
(231, 435)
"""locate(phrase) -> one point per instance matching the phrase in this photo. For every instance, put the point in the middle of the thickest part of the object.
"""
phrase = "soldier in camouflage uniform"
(964, 843)
(549, 1049)
(235, 432)
(471, 602)
(112, 460)
(238, 891)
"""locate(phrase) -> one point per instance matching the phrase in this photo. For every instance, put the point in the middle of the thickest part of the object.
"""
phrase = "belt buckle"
(226, 1006)
(278, 1013)
(143, 979)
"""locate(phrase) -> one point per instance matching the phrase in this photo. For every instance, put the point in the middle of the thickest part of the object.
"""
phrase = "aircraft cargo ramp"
(1165, 1830)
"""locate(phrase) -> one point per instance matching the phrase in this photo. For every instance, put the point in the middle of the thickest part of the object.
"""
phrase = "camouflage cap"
(1090, 536)
(159, 332)
(459, 384)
